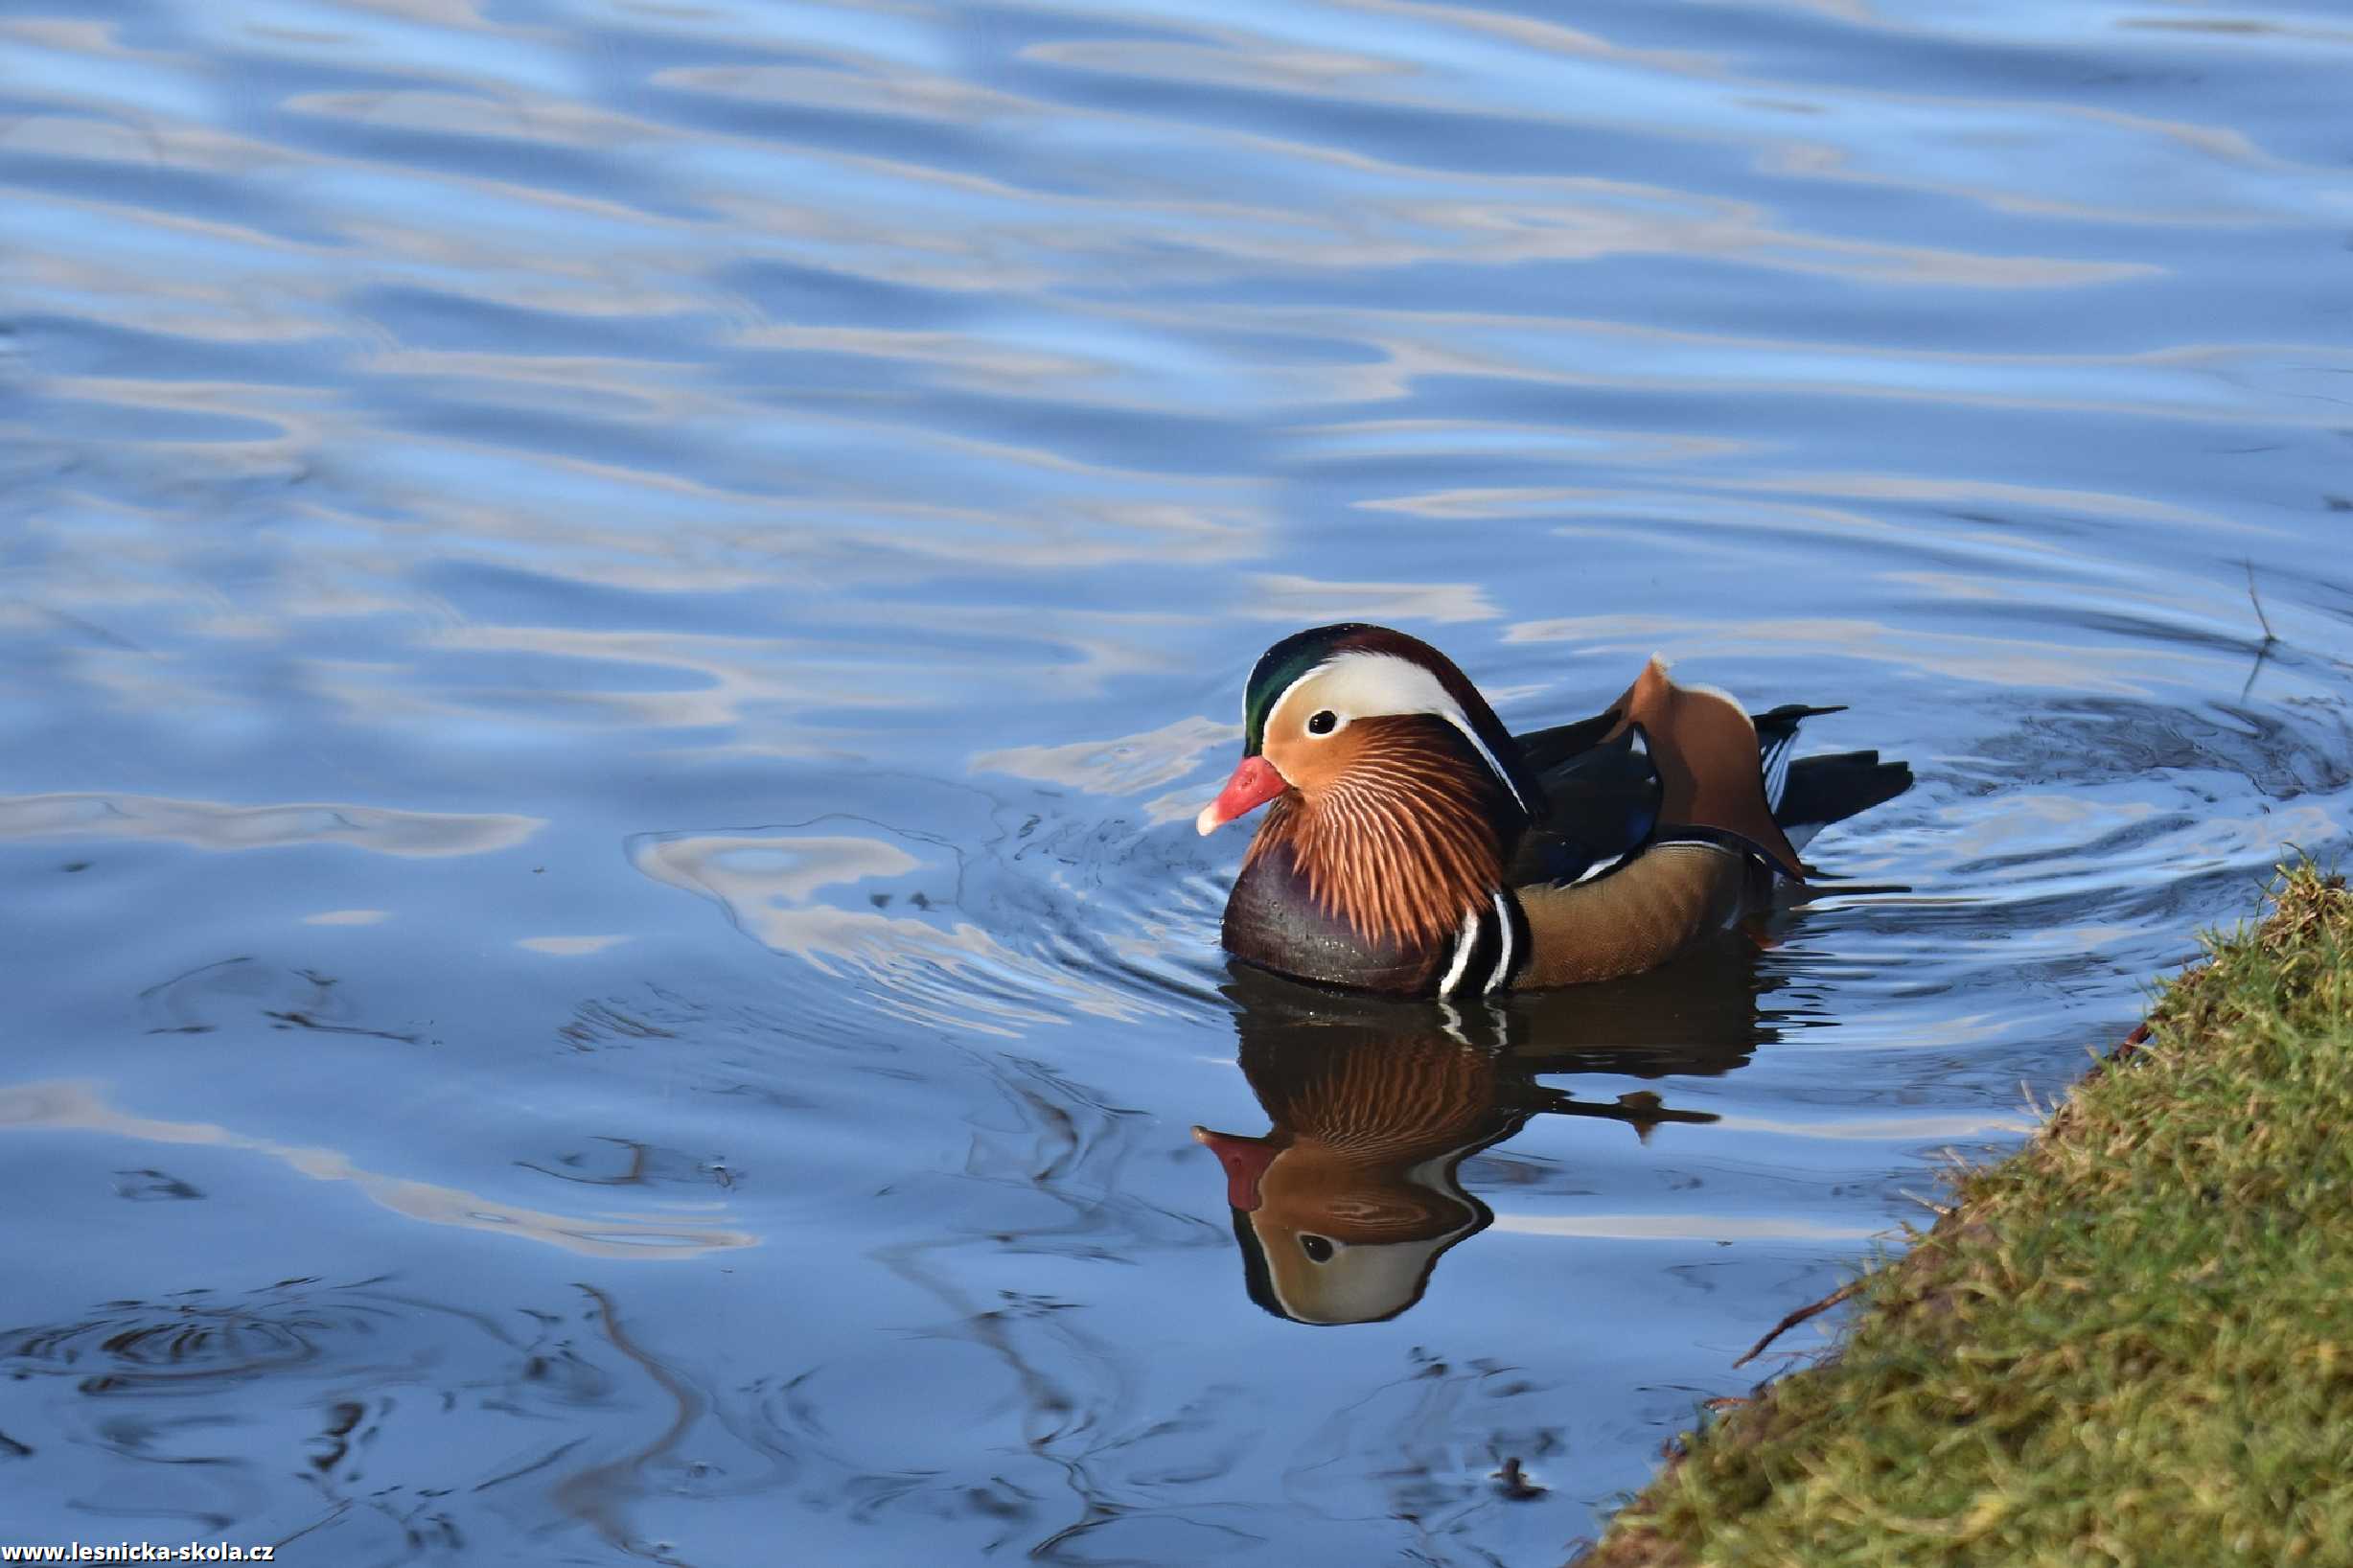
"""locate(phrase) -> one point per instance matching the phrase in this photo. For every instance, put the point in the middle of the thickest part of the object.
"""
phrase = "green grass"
(2131, 1343)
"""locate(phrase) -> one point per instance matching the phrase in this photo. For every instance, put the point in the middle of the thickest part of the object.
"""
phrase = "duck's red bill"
(1253, 785)
(1245, 1160)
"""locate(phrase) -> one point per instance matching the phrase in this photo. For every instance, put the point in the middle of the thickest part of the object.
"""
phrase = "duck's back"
(1667, 817)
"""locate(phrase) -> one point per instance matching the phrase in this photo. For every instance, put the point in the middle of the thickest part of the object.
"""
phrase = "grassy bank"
(2132, 1343)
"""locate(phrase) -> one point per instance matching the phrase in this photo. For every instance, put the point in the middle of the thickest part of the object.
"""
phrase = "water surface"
(611, 617)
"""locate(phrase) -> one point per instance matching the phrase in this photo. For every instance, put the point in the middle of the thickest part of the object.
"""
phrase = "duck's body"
(1414, 845)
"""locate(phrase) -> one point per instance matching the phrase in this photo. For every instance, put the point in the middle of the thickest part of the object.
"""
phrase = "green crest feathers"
(1279, 668)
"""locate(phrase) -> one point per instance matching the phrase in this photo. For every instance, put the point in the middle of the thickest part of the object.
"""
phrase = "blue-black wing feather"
(1602, 801)
(1602, 796)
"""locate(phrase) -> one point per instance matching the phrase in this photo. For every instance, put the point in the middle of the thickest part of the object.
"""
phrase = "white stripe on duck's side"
(1491, 934)
(1464, 940)
(1502, 931)
(1603, 867)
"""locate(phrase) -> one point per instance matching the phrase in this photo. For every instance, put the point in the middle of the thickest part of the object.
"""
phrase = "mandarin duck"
(1414, 845)
(1343, 1209)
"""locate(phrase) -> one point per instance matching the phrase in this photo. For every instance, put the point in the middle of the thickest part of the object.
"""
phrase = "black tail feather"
(1830, 788)
(1785, 719)
(1776, 740)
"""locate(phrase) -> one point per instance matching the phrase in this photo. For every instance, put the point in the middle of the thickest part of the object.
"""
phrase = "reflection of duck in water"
(1414, 845)
(1345, 1205)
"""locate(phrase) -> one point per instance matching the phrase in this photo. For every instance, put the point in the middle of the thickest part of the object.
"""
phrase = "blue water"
(611, 618)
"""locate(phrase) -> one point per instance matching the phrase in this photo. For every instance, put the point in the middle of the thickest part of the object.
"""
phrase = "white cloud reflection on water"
(1123, 766)
(935, 966)
(64, 1106)
(208, 824)
(1307, 601)
(568, 947)
(1682, 1227)
(2010, 663)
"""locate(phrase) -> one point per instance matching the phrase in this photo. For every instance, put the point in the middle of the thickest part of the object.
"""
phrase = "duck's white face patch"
(1363, 685)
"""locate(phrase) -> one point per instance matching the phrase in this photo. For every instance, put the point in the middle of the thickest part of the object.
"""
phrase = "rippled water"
(612, 615)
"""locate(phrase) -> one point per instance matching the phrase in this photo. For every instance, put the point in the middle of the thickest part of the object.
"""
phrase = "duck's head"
(1397, 792)
(1350, 706)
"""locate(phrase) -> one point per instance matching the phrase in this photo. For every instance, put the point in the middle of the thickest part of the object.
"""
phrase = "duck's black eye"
(1323, 723)
(1317, 1248)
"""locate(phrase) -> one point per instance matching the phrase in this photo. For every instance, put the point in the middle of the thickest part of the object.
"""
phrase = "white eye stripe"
(1379, 684)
